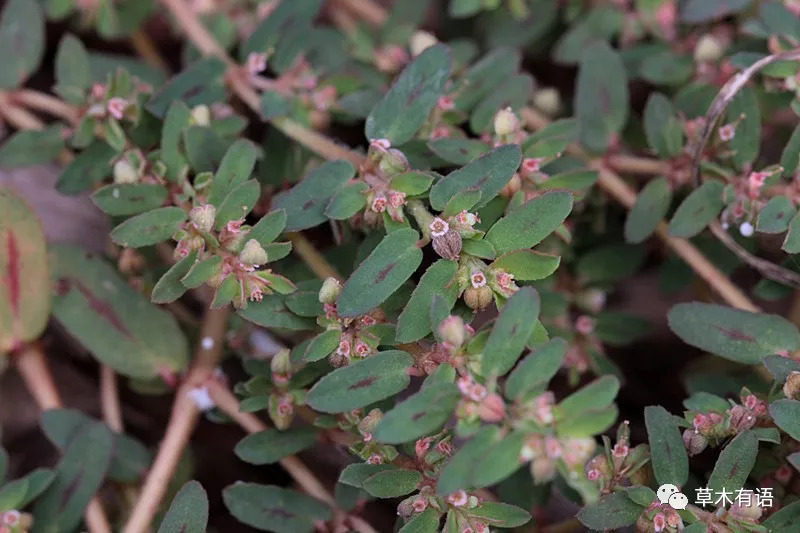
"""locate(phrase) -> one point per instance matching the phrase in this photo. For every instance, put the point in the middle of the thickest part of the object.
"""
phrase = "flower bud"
(506, 122)
(543, 470)
(792, 386)
(201, 115)
(478, 297)
(281, 410)
(203, 217)
(708, 49)
(694, 441)
(124, 172)
(330, 291)
(452, 331)
(513, 185)
(448, 245)
(253, 254)
(547, 100)
(421, 41)
(281, 364)
(741, 419)
(492, 408)
(369, 423)
(394, 162)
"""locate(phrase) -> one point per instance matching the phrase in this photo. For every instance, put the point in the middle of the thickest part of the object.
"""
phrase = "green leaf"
(613, 511)
(457, 151)
(272, 313)
(73, 74)
(513, 93)
(479, 248)
(600, 24)
(392, 483)
(699, 11)
(322, 345)
(270, 446)
(552, 139)
(24, 291)
(149, 228)
(641, 495)
(305, 203)
(698, 209)
(530, 223)
(19, 493)
(667, 68)
(422, 414)
(536, 369)
(188, 512)
(389, 265)
(780, 367)
(202, 271)
(270, 508)
(601, 98)
(268, 228)
(487, 174)
(22, 41)
(169, 288)
(791, 243)
(361, 383)
(32, 147)
(790, 157)
(734, 464)
(414, 322)
(485, 76)
(405, 107)
(597, 394)
(775, 216)
(587, 423)
(129, 198)
(786, 414)
(527, 264)
(425, 522)
(747, 140)
(114, 321)
(785, 520)
(662, 127)
(498, 514)
(412, 183)
(235, 169)
(462, 201)
(89, 167)
(355, 474)
(176, 122)
(348, 201)
(737, 335)
(79, 474)
(288, 17)
(201, 83)
(511, 332)
(667, 451)
(487, 458)
(650, 208)
(238, 203)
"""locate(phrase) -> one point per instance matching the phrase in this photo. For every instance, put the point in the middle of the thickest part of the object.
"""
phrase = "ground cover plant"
(386, 246)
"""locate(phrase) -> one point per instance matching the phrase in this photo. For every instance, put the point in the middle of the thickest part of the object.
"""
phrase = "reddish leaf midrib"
(13, 273)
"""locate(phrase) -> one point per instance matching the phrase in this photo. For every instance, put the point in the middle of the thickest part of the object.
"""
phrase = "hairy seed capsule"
(478, 297)
(448, 245)
(253, 254)
(792, 386)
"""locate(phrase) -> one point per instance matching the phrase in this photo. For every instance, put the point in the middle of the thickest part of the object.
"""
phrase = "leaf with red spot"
(511, 332)
(24, 279)
(270, 508)
(361, 383)
(530, 223)
(734, 464)
(405, 107)
(78, 476)
(188, 512)
(116, 323)
(389, 265)
(737, 335)
(422, 414)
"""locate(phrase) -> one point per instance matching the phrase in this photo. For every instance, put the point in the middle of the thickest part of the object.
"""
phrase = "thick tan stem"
(147, 50)
(311, 256)
(182, 422)
(109, 399)
(45, 103)
(32, 367)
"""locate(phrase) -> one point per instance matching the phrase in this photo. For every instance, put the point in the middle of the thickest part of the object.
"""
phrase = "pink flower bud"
(727, 132)
(375, 459)
(620, 450)
(458, 498)
(420, 504)
(492, 409)
(439, 227)
(446, 103)
(584, 325)
(421, 446)
(659, 522)
(116, 107)
(379, 203)
(256, 63)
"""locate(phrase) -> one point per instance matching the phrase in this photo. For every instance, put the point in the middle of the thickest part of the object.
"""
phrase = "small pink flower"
(673, 518)
(421, 446)
(284, 407)
(444, 447)
(256, 63)
(330, 310)
(478, 279)
(11, 518)
(504, 279)
(584, 324)
(367, 437)
(419, 505)
(234, 226)
(660, 522)
(440, 132)
(784, 474)
(751, 401)
(700, 421)
(466, 218)
(368, 320)
(439, 227)
(324, 97)
(593, 474)
(379, 203)
(727, 132)
(477, 392)
(480, 527)
(397, 199)
(381, 144)
(620, 450)
(344, 348)
(464, 384)
(446, 103)
(116, 107)
(531, 164)
(458, 498)
(98, 91)
(552, 447)
(375, 459)
(362, 348)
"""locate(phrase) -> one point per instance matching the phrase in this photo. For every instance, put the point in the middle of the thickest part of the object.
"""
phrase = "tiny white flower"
(202, 398)
(439, 227)
(478, 279)
(746, 229)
